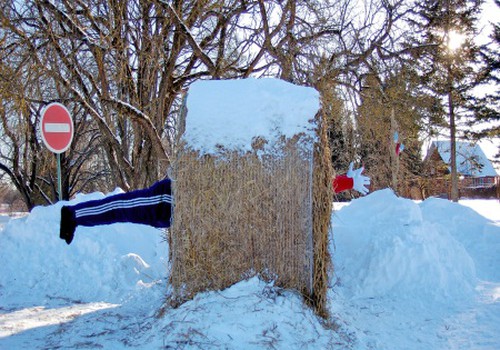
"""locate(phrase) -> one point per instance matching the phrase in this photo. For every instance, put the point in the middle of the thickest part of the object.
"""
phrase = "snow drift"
(393, 250)
(106, 263)
(408, 276)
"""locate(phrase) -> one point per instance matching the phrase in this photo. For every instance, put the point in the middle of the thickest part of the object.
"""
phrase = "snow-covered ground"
(407, 275)
(418, 275)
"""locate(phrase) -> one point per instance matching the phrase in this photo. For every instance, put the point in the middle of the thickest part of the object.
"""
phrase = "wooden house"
(477, 176)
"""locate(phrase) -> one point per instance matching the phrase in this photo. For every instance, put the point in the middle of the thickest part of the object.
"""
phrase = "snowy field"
(407, 276)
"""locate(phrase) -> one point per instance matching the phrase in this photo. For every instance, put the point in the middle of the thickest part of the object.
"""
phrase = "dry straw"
(264, 212)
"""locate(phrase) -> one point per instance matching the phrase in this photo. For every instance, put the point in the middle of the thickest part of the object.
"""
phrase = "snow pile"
(232, 113)
(407, 276)
(249, 315)
(410, 276)
(471, 230)
(118, 258)
(394, 251)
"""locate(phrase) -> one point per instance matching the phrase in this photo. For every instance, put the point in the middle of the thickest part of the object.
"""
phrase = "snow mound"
(265, 317)
(478, 234)
(393, 252)
(231, 113)
(105, 262)
(394, 261)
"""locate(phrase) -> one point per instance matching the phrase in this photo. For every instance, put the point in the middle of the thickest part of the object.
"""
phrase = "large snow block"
(252, 189)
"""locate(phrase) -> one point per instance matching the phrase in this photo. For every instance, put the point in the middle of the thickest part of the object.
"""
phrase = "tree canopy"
(123, 69)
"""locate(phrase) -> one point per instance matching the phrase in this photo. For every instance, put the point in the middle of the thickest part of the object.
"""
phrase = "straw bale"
(264, 212)
(322, 211)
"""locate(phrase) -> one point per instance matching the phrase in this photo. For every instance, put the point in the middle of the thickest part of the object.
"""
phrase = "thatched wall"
(265, 211)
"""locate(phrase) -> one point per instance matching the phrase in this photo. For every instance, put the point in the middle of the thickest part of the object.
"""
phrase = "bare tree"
(124, 67)
(29, 165)
(128, 63)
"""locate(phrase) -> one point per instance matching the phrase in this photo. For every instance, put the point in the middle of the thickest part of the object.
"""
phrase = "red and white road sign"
(57, 128)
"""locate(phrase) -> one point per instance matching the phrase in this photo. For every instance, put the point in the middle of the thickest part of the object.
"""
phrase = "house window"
(482, 182)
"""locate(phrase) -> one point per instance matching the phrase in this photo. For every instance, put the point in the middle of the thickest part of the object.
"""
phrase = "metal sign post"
(57, 133)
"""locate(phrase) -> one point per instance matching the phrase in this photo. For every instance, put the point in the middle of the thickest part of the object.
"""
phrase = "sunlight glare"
(455, 40)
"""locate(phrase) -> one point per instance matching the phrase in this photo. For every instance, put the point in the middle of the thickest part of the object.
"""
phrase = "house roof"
(471, 160)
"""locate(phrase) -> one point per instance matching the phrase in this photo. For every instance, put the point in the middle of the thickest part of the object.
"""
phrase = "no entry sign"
(57, 128)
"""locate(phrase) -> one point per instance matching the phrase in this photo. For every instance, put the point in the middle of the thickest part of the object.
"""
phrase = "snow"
(418, 275)
(471, 160)
(408, 275)
(232, 113)
(439, 269)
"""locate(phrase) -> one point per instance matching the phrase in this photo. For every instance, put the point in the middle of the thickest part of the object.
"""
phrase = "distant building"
(477, 177)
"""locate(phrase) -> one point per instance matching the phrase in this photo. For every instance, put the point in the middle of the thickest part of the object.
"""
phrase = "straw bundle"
(262, 212)
(322, 211)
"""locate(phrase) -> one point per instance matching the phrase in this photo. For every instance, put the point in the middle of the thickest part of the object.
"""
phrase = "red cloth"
(342, 183)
